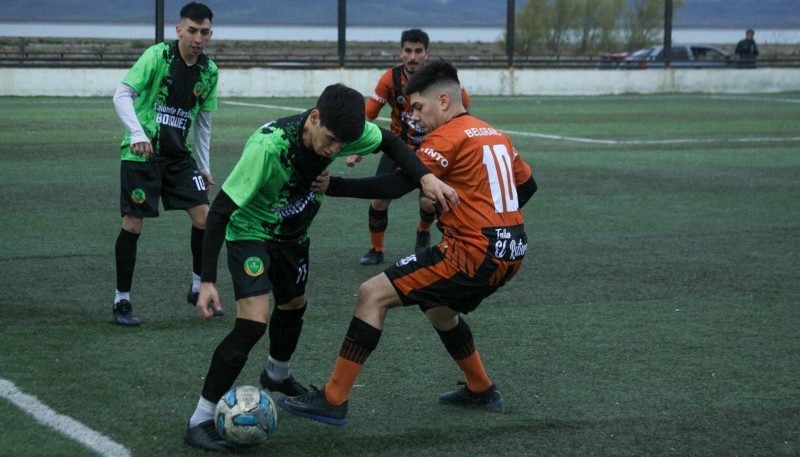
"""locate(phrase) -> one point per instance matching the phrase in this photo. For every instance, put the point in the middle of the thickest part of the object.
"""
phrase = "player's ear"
(313, 117)
(444, 101)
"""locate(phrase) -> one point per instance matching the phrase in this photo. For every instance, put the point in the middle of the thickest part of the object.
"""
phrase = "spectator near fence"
(747, 50)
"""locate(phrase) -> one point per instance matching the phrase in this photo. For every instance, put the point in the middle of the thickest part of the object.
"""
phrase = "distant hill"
(423, 13)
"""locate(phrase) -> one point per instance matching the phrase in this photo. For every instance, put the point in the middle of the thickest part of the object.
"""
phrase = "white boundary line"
(70, 427)
(592, 140)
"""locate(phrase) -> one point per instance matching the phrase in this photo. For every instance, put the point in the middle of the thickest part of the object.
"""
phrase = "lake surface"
(328, 33)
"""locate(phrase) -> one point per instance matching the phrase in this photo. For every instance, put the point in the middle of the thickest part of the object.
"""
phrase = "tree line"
(587, 27)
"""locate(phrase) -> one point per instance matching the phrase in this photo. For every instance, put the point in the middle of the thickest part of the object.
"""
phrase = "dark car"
(682, 56)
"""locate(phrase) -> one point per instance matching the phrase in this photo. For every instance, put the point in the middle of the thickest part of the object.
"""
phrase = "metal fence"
(97, 59)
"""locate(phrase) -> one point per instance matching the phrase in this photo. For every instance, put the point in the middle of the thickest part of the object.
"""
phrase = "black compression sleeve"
(386, 186)
(525, 191)
(403, 156)
(218, 216)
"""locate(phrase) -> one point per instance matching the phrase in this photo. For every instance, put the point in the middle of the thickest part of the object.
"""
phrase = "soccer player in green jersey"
(172, 87)
(263, 213)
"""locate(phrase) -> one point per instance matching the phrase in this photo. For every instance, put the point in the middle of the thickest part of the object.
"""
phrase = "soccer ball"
(246, 415)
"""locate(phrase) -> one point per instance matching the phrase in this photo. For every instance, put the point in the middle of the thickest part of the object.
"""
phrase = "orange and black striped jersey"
(485, 236)
(386, 92)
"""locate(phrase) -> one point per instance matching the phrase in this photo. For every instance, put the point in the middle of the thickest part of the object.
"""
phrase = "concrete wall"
(267, 82)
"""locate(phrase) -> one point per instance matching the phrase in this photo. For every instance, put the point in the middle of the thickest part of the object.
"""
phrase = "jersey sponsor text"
(433, 154)
(172, 117)
(482, 131)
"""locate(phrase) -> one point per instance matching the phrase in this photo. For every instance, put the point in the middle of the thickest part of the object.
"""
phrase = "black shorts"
(427, 280)
(261, 267)
(176, 182)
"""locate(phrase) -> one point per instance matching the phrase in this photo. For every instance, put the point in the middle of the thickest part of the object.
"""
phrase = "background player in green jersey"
(172, 87)
(263, 212)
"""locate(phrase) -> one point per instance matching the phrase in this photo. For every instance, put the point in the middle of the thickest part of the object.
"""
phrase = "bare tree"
(563, 21)
(644, 22)
(551, 26)
(531, 27)
(598, 25)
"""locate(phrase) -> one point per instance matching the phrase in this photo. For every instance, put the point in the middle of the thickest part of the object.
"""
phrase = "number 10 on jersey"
(504, 191)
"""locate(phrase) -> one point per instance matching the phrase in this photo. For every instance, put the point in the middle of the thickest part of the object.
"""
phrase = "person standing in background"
(747, 50)
(389, 90)
(171, 88)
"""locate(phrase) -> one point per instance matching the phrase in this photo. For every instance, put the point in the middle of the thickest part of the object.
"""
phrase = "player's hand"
(208, 179)
(439, 192)
(321, 182)
(352, 160)
(208, 295)
(145, 148)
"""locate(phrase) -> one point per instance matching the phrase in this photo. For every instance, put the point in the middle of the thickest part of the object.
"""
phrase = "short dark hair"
(197, 12)
(341, 110)
(414, 36)
(432, 73)
(750, 31)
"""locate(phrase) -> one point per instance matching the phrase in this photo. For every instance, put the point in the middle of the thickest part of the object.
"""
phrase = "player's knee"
(295, 303)
(426, 204)
(380, 205)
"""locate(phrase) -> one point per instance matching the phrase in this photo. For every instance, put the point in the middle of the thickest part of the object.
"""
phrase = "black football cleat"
(123, 314)
(315, 406)
(372, 257)
(289, 386)
(205, 436)
(490, 399)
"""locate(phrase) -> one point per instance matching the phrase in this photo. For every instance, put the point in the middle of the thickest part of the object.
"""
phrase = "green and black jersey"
(271, 182)
(170, 93)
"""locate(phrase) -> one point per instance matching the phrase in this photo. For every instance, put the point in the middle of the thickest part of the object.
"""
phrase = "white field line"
(746, 98)
(95, 441)
(590, 140)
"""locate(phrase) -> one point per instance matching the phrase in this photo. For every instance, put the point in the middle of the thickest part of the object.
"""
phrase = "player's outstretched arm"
(386, 186)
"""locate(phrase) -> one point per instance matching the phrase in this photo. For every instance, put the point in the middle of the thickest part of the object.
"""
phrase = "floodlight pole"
(510, 10)
(667, 33)
(342, 28)
(159, 21)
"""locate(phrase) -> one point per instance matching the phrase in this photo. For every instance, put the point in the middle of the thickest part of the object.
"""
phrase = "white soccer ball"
(246, 415)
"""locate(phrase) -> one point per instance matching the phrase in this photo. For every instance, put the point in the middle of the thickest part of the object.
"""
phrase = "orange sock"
(472, 366)
(338, 388)
(376, 238)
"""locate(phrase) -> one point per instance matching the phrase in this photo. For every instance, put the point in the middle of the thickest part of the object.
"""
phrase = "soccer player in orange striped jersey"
(389, 90)
(483, 246)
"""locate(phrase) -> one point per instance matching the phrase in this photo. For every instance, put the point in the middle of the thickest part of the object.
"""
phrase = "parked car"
(681, 56)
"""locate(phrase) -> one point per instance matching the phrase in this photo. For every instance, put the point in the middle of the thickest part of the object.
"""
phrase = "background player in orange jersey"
(483, 244)
(389, 90)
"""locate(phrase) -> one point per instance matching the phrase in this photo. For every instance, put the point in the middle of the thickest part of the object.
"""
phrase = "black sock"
(284, 332)
(125, 253)
(426, 217)
(360, 341)
(230, 356)
(458, 340)
(197, 249)
(378, 220)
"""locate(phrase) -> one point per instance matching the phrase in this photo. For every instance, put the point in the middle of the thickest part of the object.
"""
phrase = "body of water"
(329, 33)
